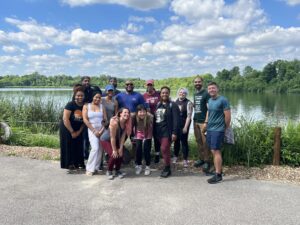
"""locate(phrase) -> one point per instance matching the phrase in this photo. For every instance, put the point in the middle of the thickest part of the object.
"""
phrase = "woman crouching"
(120, 127)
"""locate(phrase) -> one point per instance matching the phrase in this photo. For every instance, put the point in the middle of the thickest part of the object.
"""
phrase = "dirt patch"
(283, 174)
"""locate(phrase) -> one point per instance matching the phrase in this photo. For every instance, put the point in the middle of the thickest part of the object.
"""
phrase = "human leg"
(95, 155)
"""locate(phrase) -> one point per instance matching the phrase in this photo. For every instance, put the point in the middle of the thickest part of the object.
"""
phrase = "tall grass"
(35, 123)
(37, 115)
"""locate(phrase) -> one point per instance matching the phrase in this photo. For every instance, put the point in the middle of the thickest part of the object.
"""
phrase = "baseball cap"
(109, 87)
(149, 82)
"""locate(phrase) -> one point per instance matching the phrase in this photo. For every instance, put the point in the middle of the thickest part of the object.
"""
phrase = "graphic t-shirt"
(76, 118)
(200, 105)
(161, 122)
(152, 100)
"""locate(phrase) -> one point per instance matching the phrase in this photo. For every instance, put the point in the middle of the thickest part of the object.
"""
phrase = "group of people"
(106, 120)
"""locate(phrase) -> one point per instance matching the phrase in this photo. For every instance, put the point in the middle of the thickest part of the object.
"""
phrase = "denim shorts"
(214, 139)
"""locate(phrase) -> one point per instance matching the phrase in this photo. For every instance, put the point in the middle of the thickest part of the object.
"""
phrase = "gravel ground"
(282, 174)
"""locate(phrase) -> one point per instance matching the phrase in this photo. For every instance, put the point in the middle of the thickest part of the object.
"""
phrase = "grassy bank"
(35, 123)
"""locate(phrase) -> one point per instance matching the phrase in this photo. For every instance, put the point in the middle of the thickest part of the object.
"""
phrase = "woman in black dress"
(71, 127)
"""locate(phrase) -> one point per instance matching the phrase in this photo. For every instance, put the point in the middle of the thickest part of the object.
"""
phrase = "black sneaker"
(215, 179)
(198, 163)
(206, 167)
(156, 159)
(166, 172)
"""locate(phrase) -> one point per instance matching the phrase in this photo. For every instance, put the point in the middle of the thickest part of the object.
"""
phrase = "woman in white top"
(94, 115)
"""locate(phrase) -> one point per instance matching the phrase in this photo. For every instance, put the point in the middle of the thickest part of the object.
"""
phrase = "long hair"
(146, 119)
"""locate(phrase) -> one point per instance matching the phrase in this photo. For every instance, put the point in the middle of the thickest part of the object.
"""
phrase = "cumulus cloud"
(136, 4)
(271, 37)
(211, 23)
(133, 28)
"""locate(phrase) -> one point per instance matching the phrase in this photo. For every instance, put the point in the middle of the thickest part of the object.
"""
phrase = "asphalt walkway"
(39, 192)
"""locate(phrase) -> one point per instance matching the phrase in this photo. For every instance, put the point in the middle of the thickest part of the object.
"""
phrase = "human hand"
(115, 154)
(174, 137)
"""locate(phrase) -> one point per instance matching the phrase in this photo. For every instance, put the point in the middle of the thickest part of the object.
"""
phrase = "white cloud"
(133, 28)
(193, 10)
(271, 37)
(138, 19)
(74, 52)
(212, 23)
(292, 2)
(11, 59)
(11, 49)
(36, 36)
(136, 4)
(103, 41)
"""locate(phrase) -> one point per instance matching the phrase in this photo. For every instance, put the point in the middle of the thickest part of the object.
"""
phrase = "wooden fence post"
(277, 143)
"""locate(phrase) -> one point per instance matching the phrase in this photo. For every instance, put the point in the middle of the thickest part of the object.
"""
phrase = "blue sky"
(147, 39)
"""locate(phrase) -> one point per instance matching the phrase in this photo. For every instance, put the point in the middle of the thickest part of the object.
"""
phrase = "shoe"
(166, 172)
(138, 169)
(198, 163)
(185, 164)
(215, 179)
(72, 167)
(110, 175)
(156, 159)
(206, 167)
(119, 174)
(88, 173)
(147, 171)
(174, 160)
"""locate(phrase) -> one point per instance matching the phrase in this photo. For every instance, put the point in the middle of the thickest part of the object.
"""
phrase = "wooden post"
(277, 143)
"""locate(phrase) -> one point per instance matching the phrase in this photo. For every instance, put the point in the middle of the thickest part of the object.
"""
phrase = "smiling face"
(198, 82)
(213, 90)
(141, 114)
(129, 86)
(125, 114)
(110, 93)
(182, 94)
(97, 99)
(79, 97)
(165, 94)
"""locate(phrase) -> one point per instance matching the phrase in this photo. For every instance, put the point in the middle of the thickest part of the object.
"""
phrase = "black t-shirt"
(76, 118)
(161, 122)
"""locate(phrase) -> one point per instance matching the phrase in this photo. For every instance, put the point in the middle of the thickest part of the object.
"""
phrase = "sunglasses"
(131, 84)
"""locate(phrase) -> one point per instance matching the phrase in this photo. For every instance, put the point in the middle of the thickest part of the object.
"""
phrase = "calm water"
(274, 108)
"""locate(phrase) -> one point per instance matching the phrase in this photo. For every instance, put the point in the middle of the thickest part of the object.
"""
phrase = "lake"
(276, 109)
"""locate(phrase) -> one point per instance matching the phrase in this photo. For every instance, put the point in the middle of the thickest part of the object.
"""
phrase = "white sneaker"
(138, 169)
(174, 159)
(110, 175)
(185, 164)
(147, 171)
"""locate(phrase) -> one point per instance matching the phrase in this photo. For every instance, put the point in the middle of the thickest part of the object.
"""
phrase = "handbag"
(229, 136)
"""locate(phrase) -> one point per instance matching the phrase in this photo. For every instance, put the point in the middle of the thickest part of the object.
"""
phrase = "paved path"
(39, 192)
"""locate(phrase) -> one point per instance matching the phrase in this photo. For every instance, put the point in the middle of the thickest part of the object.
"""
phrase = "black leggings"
(143, 146)
(183, 138)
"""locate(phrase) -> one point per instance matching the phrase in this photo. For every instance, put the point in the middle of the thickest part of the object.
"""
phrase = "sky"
(145, 38)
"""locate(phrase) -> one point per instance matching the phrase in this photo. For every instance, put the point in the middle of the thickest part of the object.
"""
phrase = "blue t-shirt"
(131, 101)
(216, 117)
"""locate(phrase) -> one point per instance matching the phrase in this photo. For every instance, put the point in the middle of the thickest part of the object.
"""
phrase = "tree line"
(280, 76)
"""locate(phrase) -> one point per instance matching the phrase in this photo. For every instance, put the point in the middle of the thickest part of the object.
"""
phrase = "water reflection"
(274, 108)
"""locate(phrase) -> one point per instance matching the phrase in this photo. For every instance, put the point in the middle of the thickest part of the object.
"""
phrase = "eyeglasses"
(131, 84)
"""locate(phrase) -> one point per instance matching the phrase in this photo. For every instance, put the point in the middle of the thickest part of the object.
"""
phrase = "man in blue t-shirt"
(218, 118)
(130, 98)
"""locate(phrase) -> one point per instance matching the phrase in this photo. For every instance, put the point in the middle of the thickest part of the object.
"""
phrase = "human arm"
(189, 117)
(113, 132)
(67, 122)
(227, 114)
(175, 121)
